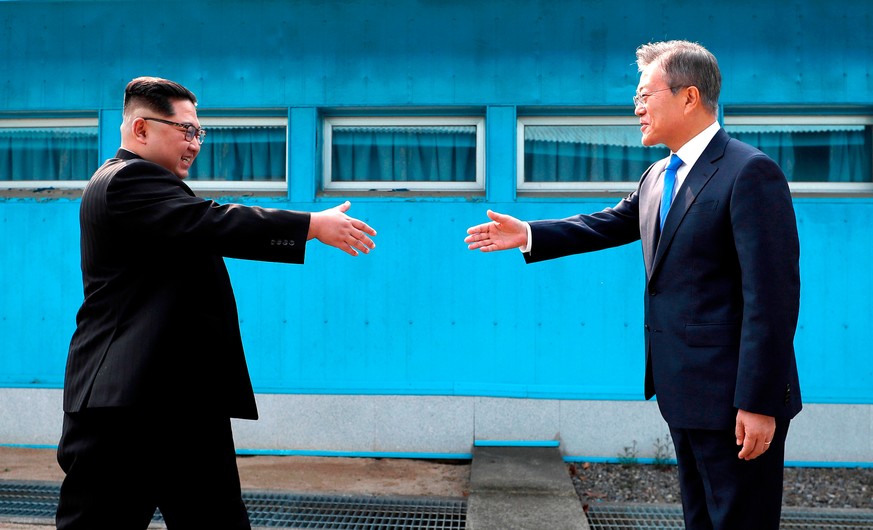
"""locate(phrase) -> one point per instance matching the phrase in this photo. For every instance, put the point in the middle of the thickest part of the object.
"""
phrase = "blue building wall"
(421, 314)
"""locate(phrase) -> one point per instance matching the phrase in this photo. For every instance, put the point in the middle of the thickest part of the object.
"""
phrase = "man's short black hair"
(156, 94)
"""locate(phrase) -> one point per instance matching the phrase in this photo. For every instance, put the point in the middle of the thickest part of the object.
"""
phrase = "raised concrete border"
(447, 425)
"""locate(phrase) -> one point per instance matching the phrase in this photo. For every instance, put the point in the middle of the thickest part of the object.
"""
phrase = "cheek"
(663, 121)
(655, 123)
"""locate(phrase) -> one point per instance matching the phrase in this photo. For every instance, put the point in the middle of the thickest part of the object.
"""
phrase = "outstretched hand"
(333, 227)
(502, 233)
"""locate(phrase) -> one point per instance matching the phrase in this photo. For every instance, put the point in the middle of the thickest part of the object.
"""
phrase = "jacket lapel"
(704, 169)
(650, 204)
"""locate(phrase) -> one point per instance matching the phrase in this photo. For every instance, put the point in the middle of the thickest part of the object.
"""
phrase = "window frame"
(51, 123)
(812, 188)
(418, 187)
(210, 121)
(573, 187)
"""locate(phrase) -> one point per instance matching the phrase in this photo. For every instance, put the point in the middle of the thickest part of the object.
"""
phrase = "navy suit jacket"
(158, 326)
(722, 287)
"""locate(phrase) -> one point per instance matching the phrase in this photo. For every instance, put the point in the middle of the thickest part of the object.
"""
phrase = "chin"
(648, 141)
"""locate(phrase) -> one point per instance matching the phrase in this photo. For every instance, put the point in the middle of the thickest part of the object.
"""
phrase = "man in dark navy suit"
(156, 368)
(722, 289)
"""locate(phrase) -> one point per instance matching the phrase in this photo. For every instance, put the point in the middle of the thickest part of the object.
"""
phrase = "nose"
(639, 110)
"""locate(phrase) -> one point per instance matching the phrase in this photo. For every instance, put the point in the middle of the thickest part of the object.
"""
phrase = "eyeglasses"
(640, 99)
(190, 130)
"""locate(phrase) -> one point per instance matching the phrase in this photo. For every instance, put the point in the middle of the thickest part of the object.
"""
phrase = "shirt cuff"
(526, 249)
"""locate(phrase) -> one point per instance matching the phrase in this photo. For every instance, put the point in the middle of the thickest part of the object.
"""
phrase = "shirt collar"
(693, 148)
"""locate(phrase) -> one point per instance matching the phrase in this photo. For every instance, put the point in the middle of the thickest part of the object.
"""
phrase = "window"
(404, 153)
(48, 152)
(595, 153)
(816, 153)
(241, 153)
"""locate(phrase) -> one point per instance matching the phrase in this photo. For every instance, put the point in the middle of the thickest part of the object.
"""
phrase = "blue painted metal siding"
(271, 53)
(422, 314)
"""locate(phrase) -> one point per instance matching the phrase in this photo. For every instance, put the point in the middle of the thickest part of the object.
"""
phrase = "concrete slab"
(522, 488)
(522, 469)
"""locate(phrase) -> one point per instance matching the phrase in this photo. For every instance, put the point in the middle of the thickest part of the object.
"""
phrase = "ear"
(139, 129)
(692, 98)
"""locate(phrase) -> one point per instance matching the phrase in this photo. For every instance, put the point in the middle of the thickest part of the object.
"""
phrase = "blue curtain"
(612, 153)
(575, 162)
(63, 153)
(254, 153)
(585, 153)
(813, 154)
(403, 154)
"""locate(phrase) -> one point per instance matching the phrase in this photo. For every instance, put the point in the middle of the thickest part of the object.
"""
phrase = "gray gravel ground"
(643, 483)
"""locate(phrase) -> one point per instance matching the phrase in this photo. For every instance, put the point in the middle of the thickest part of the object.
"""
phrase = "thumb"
(740, 432)
(344, 207)
(494, 216)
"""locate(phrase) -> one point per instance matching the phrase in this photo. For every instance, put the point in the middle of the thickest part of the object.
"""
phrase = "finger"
(364, 227)
(478, 229)
(744, 452)
(485, 245)
(361, 235)
(344, 207)
(478, 241)
(364, 243)
(348, 249)
(753, 447)
(359, 246)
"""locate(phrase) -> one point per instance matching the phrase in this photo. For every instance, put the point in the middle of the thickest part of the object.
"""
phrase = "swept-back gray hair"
(685, 64)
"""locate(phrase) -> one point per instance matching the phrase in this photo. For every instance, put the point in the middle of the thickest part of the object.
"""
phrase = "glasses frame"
(191, 130)
(641, 99)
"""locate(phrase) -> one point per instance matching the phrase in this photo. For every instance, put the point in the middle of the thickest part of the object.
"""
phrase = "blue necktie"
(669, 184)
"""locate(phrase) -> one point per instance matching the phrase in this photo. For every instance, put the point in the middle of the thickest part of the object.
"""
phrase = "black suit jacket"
(158, 326)
(722, 284)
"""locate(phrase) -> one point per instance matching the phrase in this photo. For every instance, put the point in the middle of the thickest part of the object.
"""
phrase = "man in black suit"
(156, 367)
(722, 289)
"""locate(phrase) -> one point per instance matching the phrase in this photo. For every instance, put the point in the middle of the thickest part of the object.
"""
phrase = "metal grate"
(355, 513)
(28, 500)
(669, 517)
(276, 510)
